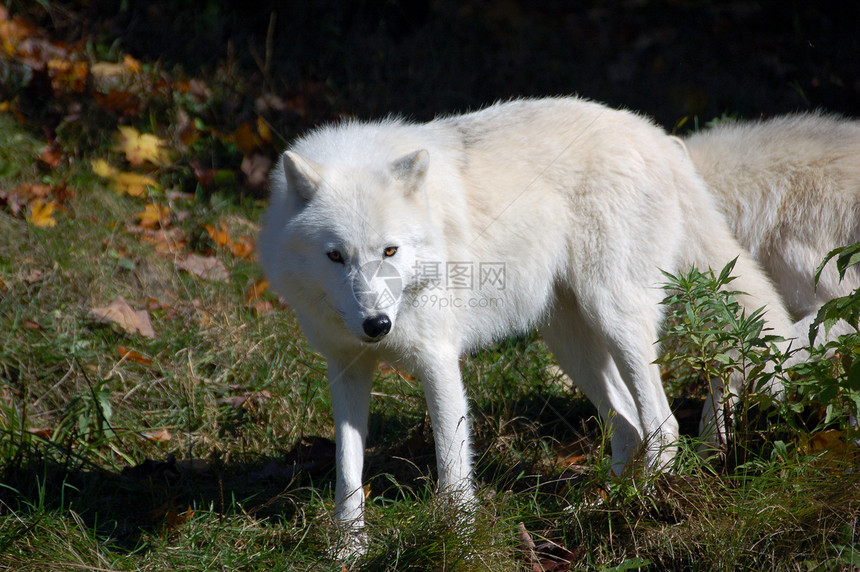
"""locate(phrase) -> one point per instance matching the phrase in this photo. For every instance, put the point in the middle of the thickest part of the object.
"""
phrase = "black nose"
(377, 326)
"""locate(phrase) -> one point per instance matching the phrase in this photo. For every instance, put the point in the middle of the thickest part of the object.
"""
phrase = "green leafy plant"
(710, 336)
(831, 377)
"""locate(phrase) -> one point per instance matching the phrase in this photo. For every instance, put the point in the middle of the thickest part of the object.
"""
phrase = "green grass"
(82, 488)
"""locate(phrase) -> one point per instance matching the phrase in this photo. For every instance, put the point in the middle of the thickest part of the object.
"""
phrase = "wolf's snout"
(377, 326)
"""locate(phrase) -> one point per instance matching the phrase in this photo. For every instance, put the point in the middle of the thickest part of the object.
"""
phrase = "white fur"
(790, 191)
(582, 204)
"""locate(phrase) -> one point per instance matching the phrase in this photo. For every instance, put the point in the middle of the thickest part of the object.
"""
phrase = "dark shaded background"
(667, 58)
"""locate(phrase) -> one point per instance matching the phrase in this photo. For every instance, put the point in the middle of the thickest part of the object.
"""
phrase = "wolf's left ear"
(411, 169)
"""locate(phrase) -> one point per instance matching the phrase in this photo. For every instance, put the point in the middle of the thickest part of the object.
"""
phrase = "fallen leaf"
(387, 368)
(239, 401)
(42, 213)
(205, 176)
(207, 267)
(133, 184)
(165, 240)
(244, 138)
(243, 247)
(261, 307)
(107, 69)
(132, 64)
(121, 313)
(32, 276)
(132, 355)
(41, 432)
(103, 169)
(154, 216)
(256, 290)
(158, 436)
(219, 235)
(256, 168)
(121, 102)
(140, 148)
(33, 190)
(264, 130)
(12, 201)
(31, 325)
(51, 155)
(67, 76)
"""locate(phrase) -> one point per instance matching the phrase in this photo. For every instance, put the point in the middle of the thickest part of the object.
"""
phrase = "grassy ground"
(207, 444)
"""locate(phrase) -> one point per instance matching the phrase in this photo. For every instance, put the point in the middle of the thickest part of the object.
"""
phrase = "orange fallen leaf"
(132, 355)
(256, 290)
(165, 240)
(244, 138)
(243, 247)
(121, 313)
(387, 368)
(42, 214)
(219, 235)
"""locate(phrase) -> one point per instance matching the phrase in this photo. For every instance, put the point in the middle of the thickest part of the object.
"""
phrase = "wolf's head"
(340, 240)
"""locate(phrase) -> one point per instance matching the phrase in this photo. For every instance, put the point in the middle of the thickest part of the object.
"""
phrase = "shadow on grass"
(158, 495)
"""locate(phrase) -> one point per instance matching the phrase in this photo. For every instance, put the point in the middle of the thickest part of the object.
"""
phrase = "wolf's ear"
(411, 169)
(303, 175)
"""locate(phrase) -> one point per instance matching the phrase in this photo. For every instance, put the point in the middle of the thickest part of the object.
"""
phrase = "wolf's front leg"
(446, 402)
(349, 382)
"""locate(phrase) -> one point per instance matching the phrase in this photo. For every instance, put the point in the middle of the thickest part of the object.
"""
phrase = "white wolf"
(414, 243)
(790, 190)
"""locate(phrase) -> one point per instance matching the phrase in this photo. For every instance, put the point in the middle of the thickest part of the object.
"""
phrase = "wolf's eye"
(390, 251)
(335, 256)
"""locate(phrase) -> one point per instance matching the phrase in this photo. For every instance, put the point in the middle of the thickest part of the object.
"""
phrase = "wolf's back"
(790, 190)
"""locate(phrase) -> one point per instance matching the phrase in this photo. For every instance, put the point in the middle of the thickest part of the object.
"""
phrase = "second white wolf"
(379, 235)
(790, 190)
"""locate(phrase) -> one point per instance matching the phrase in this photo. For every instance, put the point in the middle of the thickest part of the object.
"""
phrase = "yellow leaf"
(264, 130)
(154, 216)
(132, 183)
(103, 169)
(41, 213)
(140, 148)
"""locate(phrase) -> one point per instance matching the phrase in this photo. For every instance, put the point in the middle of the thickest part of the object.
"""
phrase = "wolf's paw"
(351, 546)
